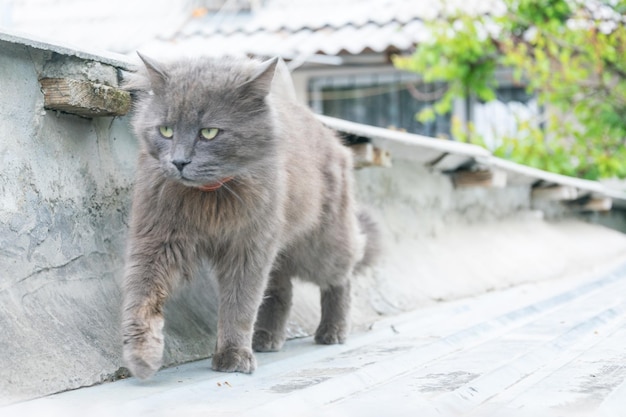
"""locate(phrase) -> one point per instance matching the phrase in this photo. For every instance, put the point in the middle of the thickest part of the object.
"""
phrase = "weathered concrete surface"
(552, 348)
(65, 186)
(63, 212)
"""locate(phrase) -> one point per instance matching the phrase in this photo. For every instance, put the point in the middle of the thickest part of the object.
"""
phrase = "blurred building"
(339, 50)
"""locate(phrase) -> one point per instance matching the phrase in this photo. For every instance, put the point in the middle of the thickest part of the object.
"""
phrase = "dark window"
(390, 100)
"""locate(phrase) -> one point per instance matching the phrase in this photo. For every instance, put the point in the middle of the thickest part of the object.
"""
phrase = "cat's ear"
(157, 75)
(261, 81)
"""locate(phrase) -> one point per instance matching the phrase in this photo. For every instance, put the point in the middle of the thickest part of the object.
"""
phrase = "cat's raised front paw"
(264, 341)
(143, 348)
(330, 335)
(234, 360)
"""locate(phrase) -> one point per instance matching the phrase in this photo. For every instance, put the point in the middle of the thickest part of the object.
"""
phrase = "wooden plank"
(452, 162)
(479, 178)
(367, 155)
(600, 204)
(84, 98)
(555, 193)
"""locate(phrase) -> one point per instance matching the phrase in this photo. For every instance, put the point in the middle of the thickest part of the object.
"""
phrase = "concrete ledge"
(8, 38)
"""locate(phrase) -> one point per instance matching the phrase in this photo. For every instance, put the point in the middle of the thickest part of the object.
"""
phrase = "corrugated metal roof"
(285, 28)
(305, 27)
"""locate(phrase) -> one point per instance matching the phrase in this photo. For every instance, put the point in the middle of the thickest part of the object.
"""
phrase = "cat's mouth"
(207, 187)
(213, 186)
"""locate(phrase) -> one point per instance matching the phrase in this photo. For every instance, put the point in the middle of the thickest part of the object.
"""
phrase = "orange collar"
(212, 186)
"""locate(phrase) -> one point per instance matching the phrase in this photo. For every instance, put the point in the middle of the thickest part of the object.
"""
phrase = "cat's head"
(207, 120)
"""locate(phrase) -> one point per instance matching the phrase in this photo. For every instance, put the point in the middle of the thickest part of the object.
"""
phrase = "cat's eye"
(166, 132)
(209, 133)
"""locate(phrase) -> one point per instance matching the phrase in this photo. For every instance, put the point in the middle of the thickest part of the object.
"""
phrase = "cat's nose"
(180, 163)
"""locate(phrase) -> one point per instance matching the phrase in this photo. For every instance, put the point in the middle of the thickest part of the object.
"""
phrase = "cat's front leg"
(148, 280)
(143, 344)
(242, 282)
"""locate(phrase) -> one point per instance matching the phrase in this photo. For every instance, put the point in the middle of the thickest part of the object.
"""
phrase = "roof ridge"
(256, 29)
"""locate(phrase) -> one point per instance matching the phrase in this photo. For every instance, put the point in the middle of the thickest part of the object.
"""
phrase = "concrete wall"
(65, 184)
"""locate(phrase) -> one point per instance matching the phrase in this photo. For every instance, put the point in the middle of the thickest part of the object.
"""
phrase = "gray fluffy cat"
(233, 174)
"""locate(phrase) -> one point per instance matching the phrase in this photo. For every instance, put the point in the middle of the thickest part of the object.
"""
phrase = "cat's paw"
(234, 360)
(143, 347)
(264, 341)
(330, 335)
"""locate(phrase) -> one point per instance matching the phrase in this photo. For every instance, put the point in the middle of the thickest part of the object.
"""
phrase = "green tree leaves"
(571, 53)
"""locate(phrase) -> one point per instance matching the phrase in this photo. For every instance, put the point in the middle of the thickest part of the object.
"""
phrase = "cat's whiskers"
(232, 192)
(249, 187)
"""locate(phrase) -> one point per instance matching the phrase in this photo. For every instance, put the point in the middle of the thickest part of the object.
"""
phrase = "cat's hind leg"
(335, 322)
(270, 326)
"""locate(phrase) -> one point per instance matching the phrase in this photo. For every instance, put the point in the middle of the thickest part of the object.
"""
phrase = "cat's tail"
(373, 241)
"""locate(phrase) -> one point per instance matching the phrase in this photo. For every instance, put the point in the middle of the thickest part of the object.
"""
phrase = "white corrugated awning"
(448, 156)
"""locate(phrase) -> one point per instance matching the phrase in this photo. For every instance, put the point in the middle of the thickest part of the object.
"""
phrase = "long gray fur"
(286, 211)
